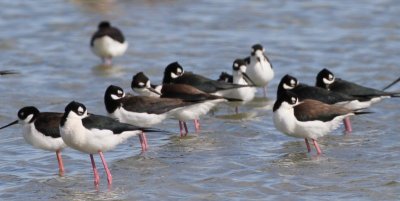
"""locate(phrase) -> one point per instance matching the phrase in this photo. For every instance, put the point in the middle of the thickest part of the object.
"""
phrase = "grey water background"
(234, 157)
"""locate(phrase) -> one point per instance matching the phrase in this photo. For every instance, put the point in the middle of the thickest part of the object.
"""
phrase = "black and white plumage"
(204, 103)
(174, 73)
(90, 133)
(108, 42)
(140, 110)
(141, 85)
(41, 130)
(259, 68)
(308, 119)
(303, 91)
(147, 111)
(240, 77)
(326, 79)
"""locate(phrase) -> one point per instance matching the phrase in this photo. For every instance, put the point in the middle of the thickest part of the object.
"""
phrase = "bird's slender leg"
(347, 124)
(109, 176)
(317, 146)
(141, 141)
(60, 163)
(146, 146)
(236, 109)
(181, 128)
(107, 61)
(265, 91)
(96, 174)
(197, 125)
(186, 129)
(308, 145)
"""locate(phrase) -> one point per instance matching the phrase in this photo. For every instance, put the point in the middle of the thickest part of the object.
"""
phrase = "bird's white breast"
(38, 140)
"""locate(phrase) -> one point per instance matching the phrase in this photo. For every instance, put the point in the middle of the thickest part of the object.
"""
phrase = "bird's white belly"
(195, 111)
(288, 124)
(94, 140)
(107, 47)
(138, 119)
(38, 140)
(260, 73)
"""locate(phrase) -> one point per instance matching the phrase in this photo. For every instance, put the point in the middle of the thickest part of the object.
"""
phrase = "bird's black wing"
(205, 84)
(152, 105)
(354, 89)
(48, 123)
(106, 123)
(311, 110)
(309, 92)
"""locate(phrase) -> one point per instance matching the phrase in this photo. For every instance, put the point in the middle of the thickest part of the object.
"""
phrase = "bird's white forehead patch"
(292, 82)
(148, 83)
(179, 70)
(330, 76)
(326, 81)
(293, 100)
(80, 109)
(141, 84)
(287, 87)
(173, 75)
(120, 92)
(236, 65)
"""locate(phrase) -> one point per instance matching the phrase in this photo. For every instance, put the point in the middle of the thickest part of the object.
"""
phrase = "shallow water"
(235, 157)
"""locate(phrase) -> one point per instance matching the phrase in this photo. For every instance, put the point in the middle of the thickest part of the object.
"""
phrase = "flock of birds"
(300, 110)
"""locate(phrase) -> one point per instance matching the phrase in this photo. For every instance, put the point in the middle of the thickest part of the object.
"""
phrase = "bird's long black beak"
(10, 124)
(391, 84)
(248, 80)
(154, 91)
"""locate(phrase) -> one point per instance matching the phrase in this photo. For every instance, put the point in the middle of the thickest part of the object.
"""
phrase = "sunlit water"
(234, 157)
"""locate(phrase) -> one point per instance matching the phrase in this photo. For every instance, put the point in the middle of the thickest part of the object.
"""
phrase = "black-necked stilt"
(90, 133)
(204, 102)
(240, 77)
(40, 129)
(327, 80)
(303, 91)
(141, 85)
(142, 110)
(108, 42)
(309, 119)
(259, 69)
(174, 73)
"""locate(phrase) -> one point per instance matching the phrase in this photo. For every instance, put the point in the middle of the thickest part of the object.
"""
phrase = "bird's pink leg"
(186, 129)
(146, 146)
(197, 125)
(347, 124)
(107, 61)
(317, 146)
(109, 176)
(265, 90)
(181, 128)
(308, 145)
(141, 141)
(60, 163)
(96, 174)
